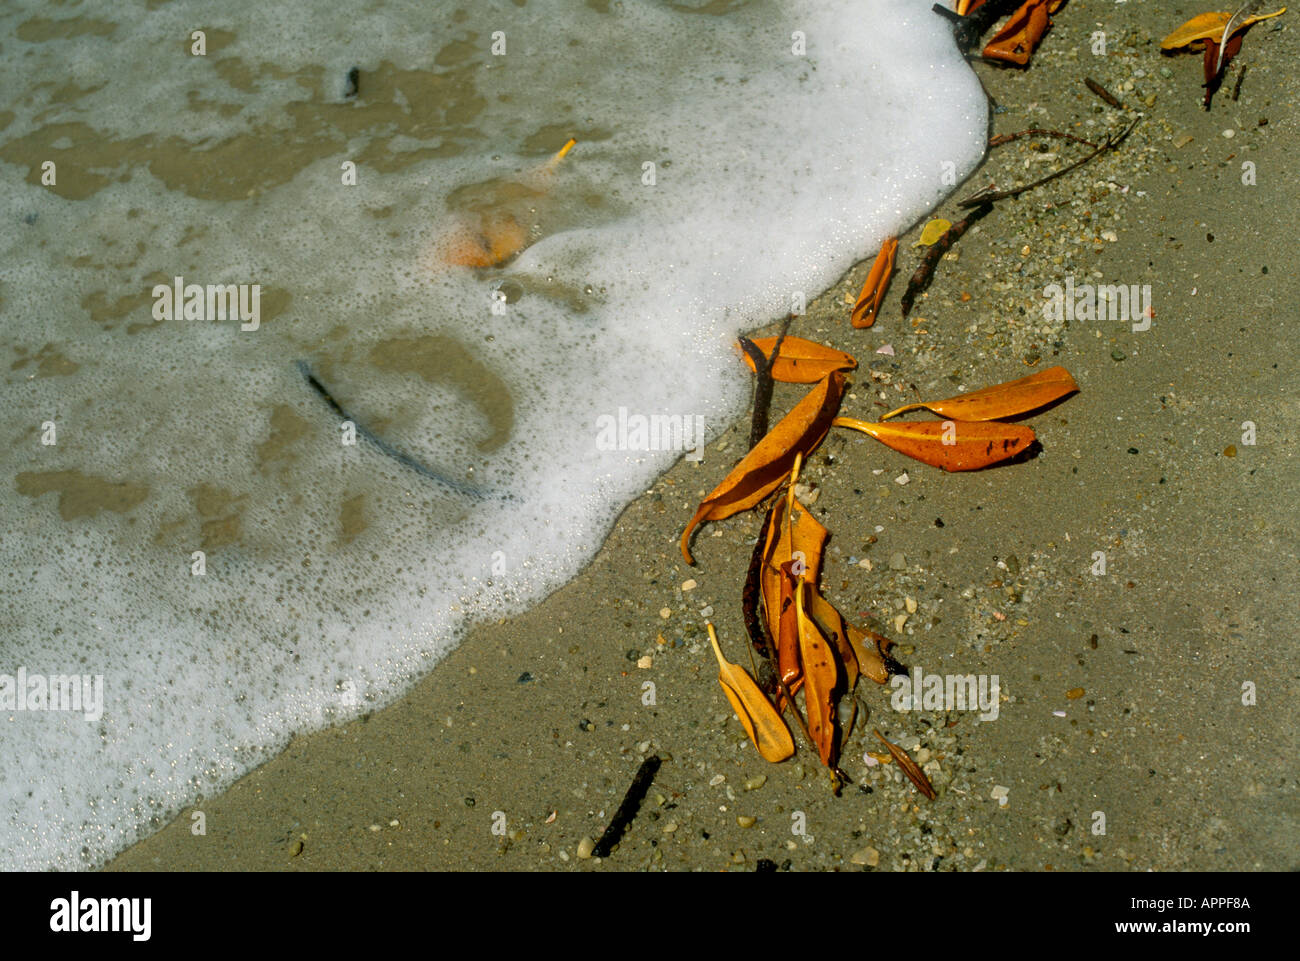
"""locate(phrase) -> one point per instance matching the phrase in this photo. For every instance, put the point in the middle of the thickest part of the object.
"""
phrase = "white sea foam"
(774, 172)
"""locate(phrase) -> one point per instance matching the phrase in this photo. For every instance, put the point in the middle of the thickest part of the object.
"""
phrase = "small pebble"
(1074, 693)
(897, 562)
(670, 827)
(706, 611)
(717, 779)
(1117, 354)
(864, 564)
(755, 782)
(585, 847)
(902, 479)
(689, 585)
(867, 856)
(1230, 450)
(665, 612)
(295, 849)
(745, 821)
(645, 663)
(1229, 133)
(910, 604)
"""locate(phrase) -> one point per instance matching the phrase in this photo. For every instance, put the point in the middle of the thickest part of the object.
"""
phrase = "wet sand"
(524, 740)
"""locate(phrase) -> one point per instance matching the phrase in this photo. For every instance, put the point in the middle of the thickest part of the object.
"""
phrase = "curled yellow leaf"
(932, 231)
(1209, 26)
(757, 715)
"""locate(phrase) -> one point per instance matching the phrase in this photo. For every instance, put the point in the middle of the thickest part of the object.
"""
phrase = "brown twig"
(925, 272)
(984, 197)
(1006, 138)
(1102, 92)
(1236, 90)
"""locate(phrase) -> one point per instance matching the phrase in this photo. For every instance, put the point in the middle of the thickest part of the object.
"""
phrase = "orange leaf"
(1209, 26)
(1016, 41)
(787, 643)
(1001, 400)
(873, 291)
(761, 470)
(952, 445)
(909, 767)
(761, 721)
(820, 675)
(802, 361)
(831, 623)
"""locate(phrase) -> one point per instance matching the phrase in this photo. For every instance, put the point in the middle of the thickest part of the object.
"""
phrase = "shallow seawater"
(251, 526)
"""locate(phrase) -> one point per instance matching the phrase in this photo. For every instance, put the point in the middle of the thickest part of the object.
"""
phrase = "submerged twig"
(925, 272)
(1102, 92)
(984, 197)
(645, 775)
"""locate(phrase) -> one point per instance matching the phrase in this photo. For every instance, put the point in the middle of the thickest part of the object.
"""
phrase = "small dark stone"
(470, 802)
(524, 678)
(1132, 450)
(938, 522)
(765, 866)
(354, 83)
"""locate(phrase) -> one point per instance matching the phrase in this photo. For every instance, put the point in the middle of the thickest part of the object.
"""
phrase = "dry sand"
(535, 726)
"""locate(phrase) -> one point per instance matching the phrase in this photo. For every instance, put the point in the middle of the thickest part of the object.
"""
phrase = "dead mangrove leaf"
(952, 445)
(832, 626)
(757, 715)
(1016, 41)
(820, 675)
(932, 231)
(909, 767)
(873, 291)
(761, 470)
(802, 361)
(1011, 399)
(789, 663)
(494, 236)
(1214, 26)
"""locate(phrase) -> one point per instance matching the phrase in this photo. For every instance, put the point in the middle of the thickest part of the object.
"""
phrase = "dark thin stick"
(404, 459)
(1236, 90)
(1006, 138)
(925, 272)
(645, 776)
(354, 83)
(763, 385)
(984, 197)
(1102, 92)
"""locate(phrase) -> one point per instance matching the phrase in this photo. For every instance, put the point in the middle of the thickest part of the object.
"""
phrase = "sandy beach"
(1145, 719)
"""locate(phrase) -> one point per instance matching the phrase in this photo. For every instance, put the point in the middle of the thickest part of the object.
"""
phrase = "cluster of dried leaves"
(800, 642)
(1221, 34)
